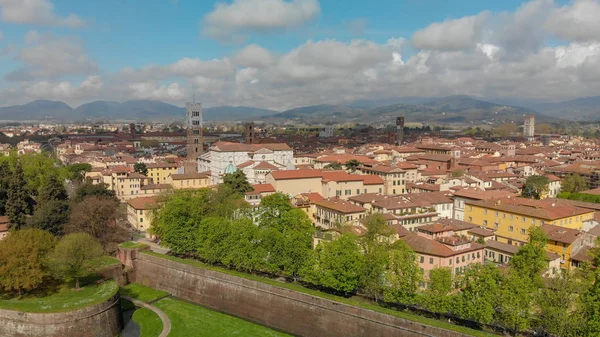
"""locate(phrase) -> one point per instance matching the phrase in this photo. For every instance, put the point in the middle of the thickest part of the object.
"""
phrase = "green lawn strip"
(149, 322)
(132, 244)
(107, 261)
(349, 301)
(142, 293)
(66, 299)
(193, 320)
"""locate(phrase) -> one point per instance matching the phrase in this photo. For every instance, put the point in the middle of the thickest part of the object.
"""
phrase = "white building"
(328, 131)
(256, 160)
(529, 127)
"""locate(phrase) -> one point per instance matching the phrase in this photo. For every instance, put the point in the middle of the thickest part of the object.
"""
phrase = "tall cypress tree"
(16, 206)
(5, 176)
(52, 210)
(52, 190)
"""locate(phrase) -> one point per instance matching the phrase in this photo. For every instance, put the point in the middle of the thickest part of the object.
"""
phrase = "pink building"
(443, 248)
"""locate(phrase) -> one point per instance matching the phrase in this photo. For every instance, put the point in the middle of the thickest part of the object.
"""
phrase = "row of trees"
(217, 227)
(30, 258)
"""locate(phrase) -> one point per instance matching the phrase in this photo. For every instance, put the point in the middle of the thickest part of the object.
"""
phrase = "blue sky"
(144, 49)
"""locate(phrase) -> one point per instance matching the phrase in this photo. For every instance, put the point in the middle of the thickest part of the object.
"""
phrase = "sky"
(280, 54)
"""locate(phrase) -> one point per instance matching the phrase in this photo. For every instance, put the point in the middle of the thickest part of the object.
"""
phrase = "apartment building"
(188, 180)
(139, 212)
(462, 196)
(334, 213)
(159, 172)
(511, 218)
(395, 176)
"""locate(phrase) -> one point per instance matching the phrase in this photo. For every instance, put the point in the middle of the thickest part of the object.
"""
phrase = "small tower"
(249, 133)
(195, 142)
(399, 130)
(529, 127)
(132, 129)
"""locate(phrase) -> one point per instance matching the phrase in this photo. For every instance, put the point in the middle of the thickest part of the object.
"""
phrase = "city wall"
(282, 309)
(100, 320)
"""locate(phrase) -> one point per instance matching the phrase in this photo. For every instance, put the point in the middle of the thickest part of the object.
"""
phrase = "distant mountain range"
(451, 109)
(130, 110)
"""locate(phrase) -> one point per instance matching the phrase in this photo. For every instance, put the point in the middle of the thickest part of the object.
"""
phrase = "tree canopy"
(140, 168)
(237, 182)
(573, 183)
(536, 187)
(74, 257)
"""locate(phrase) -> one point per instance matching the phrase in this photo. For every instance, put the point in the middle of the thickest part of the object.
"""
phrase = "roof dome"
(230, 169)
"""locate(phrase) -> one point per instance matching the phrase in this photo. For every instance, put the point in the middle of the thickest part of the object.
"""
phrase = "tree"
(403, 274)
(76, 172)
(375, 245)
(457, 173)
(573, 183)
(22, 254)
(333, 166)
(536, 187)
(17, 205)
(74, 257)
(50, 216)
(352, 165)
(530, 260)
(89, 189)
(140, 168)
(436, 298)
(507, 129)
(478, 298)
(237, 182)
(590, 302)
(556, 301)
(52, 190)
(337, 265)
(5, 177)
(97, 216)
(514, 302)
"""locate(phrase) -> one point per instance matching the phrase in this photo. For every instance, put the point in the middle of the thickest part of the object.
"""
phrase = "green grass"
(193, 320)
(132, 244)
(142, 293)
(66, 299)
(149, 322)
(107, 261)
(350, 301)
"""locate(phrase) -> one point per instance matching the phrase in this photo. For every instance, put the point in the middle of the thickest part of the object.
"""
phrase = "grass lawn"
(132, 244)
(142, 293)
(149, 322)
(66, 299)
(351, 301)
(107, 261)
(189, 320)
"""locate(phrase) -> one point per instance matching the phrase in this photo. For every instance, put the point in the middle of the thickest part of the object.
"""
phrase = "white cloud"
(32, 36)
(52, 59)
(578, 21)
(37, 12)
(455, 34)
(254, 56)
(233, 21)
(64, 90)
(155, 91)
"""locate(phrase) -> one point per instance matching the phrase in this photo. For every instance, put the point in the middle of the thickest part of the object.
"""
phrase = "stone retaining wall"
(279, 308)
(99, 320)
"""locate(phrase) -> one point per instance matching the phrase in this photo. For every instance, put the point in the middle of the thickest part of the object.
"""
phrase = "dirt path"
(163, 317)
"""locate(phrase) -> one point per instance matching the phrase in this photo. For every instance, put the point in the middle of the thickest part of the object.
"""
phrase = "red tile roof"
(239, 147)
(143, 203)
(340, 206)
(261, 188)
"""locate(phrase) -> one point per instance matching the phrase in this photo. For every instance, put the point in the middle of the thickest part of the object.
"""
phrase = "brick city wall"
(100, 320)
(279, 308)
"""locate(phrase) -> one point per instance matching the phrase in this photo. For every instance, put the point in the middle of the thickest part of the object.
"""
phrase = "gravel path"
(163, 317)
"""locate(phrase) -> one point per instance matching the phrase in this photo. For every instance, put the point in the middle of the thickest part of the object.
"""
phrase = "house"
(258, 193)
(188, 180)
(139, 212)
(502, 253)
(462, 196)
(159, 172)
(395, 176)
(443, 250)
(3, 226)
(566, 242)
(333, 213)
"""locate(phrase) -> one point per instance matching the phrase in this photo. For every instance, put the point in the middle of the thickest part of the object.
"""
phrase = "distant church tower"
(195, 142)
(249, 133)
(400, 130)
(529, 127)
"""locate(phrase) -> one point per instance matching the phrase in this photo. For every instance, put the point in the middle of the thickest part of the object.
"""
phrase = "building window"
(431, 260)
(422, 259)
(511, 216)
(457, 260)
(141, 219)
(358, 191)
(523, 219)
(485, 211)
(470, 208)
(523, 231)
(510, 228)
(470, 219)
(533, 221)
(496, 225)
(485, 223)
(450, 261)
(503, 215)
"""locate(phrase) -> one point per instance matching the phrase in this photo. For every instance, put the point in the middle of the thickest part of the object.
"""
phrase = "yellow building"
(511, 218)
(188, 180)
(566, 242)
(139, 212)
(159, 172)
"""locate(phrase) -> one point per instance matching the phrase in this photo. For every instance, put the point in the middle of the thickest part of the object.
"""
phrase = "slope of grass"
(193, 320)
(142, 293)
(65, 299)
(149, 322)
(107, 261)
(350, 301)
(132, 244)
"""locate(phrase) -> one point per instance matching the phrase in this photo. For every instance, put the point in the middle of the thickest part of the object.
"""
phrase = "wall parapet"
(276, 307)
